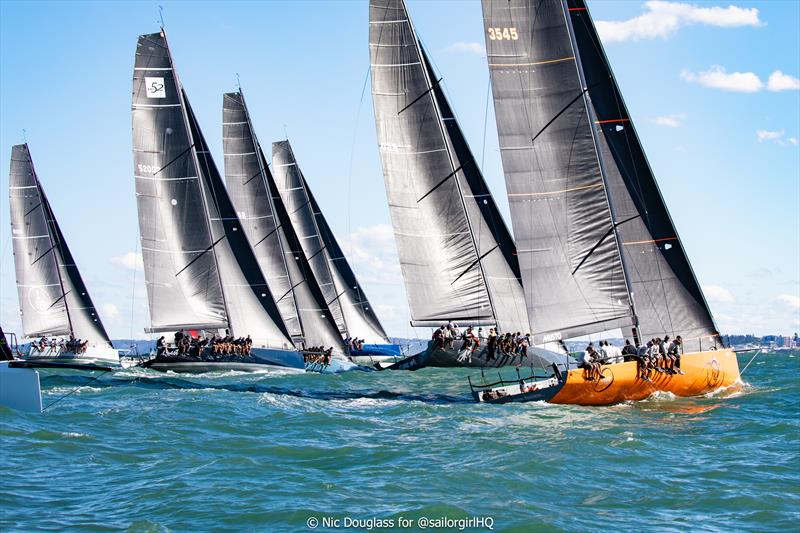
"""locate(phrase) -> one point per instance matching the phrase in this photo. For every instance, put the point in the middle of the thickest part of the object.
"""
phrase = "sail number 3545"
(500, 34)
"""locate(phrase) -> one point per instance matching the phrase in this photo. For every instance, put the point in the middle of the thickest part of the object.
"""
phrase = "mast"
(193, 152)
(245, 177)
(603, 172)
(664, 288)
(427, 73)
(315, 320)
(456, 254)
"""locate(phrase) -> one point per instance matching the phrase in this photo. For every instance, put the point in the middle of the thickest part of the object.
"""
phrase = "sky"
(712, 88)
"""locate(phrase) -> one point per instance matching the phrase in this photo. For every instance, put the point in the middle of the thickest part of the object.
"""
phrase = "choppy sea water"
(144, 451)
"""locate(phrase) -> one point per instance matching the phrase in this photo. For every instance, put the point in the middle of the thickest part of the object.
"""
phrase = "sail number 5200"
(499, 34)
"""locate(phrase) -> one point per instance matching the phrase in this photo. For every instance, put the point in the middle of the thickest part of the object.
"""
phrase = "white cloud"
(778, 81)
(715, 293)
(373, 254)
(130, 260)
(469, 48)
(110, 311)
(717, 78)
(791, 300)
(671, 121)
(775, 136)
(744, 82)
(662, 19)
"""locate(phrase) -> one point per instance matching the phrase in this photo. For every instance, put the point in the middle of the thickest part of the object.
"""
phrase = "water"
(147, 452)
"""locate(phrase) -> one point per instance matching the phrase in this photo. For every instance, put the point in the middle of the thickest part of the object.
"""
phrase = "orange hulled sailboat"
(597, 249)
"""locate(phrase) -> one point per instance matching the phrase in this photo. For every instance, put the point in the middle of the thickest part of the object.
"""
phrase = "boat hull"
(94, 356)
(370, 354)
(450, 356)
(260, 359)
(20, 388)
(704, 372)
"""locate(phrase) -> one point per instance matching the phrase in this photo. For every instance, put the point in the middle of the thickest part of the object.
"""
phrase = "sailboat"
(597, 248)
(457, 257)
(354, 315)
(58, 315)
(269, 229)
(203, 279)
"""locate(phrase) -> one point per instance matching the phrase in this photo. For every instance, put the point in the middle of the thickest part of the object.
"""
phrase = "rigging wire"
(76, 389)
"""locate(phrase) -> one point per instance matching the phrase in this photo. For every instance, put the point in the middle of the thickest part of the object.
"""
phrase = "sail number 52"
(499, 34)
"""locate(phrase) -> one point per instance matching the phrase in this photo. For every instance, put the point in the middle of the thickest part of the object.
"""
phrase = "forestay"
(53, 298)
(457, 256)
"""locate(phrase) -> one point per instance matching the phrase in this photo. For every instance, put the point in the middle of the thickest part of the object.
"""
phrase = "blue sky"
(719, 125)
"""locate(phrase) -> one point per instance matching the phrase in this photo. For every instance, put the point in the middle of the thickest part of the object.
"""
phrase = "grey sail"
(597, 248)
(53, 297)
(571, 267)
(287, 176)
(666, 295)
(269, 229)
(244, 179)
(183, 284)
(457, 256)
(354, 313)
(199, 255)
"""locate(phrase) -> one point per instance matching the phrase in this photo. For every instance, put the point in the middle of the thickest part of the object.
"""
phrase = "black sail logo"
(155, 87)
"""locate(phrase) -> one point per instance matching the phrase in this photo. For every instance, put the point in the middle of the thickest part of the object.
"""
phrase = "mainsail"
(355, 316)
(457, 257)
(598, 249)
(200, 269)
(269, 229)
(53, 298)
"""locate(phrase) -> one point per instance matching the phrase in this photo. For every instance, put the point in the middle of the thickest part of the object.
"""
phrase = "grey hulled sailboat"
(354, 314)
(269, 228)
(457, 256)
(58, 314)
(201, 273)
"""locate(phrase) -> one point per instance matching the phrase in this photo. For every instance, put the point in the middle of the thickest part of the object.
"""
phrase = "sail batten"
(53, 297)
(457, 257)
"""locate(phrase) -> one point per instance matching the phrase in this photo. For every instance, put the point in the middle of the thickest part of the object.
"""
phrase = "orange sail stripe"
(612, 120)
(556, 192)
(531, 64)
